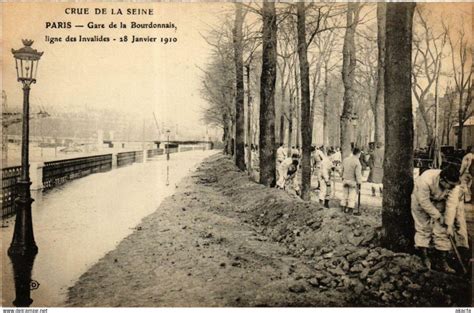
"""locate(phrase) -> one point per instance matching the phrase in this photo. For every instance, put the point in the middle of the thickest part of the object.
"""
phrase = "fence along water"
(58, 172)
(10, 176)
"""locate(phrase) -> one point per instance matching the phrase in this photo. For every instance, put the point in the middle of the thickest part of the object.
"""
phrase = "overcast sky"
(139, 78)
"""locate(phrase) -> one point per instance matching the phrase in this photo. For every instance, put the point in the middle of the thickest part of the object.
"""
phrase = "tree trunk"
(461, 121)
(298, 124)
(315, 84)
(282, 129)
(448, 131)
(290, 126)
(226, 136)
(224, 140)
(297, 106)
(397, 222)
(426, 122)
(379, 97)
(232, 138)
(267, 95)
(240, 93)
(306, 127)
(325, 104)
(348, 72)
(249, 122)
(443, 133)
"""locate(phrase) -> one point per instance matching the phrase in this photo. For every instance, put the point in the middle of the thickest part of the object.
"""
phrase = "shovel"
(359, 187)
(458, 256)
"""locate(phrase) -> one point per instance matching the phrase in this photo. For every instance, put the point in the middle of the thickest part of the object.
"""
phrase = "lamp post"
(168, 158)
(168, 145)
(23, 249)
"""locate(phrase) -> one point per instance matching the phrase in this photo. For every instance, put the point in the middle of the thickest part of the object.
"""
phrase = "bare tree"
(267, 95)
(319, 24)
(323, 21)
(366, 84)
(397, 223)
(218, 84)
(305, 102)
(286, 65)
(239, 94)
(379, 97)
(323, 63)
(348, 71)
(426, 69)
(448, 113)
(218, 91)
(461, 56)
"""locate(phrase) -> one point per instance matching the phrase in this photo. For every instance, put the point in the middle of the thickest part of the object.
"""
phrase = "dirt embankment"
(223, 240)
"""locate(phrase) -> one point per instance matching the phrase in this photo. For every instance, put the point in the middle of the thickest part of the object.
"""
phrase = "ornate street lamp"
(23, 249)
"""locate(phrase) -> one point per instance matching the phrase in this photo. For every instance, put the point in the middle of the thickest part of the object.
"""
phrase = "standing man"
(351, 180)
(438, 213)
(317, 158)
(281, 154)
(324, 178)
(376, 168)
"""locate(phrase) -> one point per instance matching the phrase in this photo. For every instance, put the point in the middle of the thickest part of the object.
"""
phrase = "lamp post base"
(22, 250)
(23, 242)
(22, 269)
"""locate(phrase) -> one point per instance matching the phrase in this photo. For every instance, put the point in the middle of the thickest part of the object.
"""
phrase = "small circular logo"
(34, 285)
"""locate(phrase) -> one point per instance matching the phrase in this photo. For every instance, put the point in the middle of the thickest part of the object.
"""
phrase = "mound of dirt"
(341, 252)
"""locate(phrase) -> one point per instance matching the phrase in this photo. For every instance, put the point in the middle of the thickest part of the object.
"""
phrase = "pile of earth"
(339, 252)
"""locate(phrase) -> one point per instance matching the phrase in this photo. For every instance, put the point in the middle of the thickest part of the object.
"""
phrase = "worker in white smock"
(287, 173)
(438, 213)
(324, 178)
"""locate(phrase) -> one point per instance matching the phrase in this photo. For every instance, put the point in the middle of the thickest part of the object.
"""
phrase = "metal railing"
(154, 152)
(172, 150)
(184, 149)
(59, 172)
(10, 176)
(55, 173)
(126, 158)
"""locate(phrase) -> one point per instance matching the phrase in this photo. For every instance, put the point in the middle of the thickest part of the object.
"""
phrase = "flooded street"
(78, 223)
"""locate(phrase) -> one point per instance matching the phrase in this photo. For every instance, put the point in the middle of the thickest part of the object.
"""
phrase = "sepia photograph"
(237, 154)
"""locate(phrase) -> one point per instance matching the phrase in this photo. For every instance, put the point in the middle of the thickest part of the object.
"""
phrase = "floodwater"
(79, 222)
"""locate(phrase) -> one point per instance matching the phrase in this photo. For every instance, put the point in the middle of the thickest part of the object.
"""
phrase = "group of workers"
(437, 199)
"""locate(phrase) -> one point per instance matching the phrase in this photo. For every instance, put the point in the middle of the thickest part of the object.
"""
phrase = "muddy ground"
(223, 240)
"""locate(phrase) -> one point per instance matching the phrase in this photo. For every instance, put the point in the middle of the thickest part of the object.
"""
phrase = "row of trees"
(438, 54)
(290, 53)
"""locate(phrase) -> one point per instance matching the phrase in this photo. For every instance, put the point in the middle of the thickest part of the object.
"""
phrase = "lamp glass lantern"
(27, 60)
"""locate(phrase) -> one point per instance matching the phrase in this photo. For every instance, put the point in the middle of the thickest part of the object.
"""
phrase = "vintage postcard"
(237, 154)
